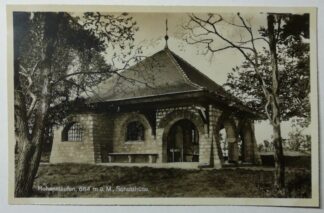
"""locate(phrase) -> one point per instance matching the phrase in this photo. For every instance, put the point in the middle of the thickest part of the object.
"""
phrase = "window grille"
(73, 132)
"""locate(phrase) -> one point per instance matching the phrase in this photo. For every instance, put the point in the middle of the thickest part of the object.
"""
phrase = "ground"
(106, 181)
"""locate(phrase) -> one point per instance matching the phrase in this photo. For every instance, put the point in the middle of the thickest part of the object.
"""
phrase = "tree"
(56, 58)
(293, 82)
(294, 70)
(206, 31)
(297, 140)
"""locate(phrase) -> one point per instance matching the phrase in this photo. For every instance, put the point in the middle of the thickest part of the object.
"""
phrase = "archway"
(232, 150)
(183, 142)
(229, 141)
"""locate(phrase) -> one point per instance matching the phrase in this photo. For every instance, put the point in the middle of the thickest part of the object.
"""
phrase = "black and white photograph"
(193, 105)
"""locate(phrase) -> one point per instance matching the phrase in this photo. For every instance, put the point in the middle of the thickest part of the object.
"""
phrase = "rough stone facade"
(121, 145)
(75, 151)
(104, 137)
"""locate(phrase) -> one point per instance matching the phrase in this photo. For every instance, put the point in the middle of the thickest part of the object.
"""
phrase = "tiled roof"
(162, 73)
(158, 74)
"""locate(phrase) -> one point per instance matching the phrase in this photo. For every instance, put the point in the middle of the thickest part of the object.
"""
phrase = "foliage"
(57, 58)
(294, 25)
(293, 65)
(77, 61)
(267, 146)
(297, 139)
(208, 30)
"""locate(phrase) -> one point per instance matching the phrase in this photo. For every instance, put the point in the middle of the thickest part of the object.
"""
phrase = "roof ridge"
(187, 63)
(218, 86)
(186, 78)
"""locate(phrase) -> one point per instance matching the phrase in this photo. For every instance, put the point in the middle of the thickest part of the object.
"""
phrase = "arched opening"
(183, 142)
(230, 142)
(72, 132)
(223, 144)
(135, 131)
(232, 151)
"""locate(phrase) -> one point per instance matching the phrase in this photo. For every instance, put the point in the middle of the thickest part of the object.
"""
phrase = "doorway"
(183, 142)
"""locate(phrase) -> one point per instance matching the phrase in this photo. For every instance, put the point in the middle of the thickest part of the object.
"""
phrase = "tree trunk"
(275, 111)
(279, 160)
(26, 168)
(30, 141)
(25, 147)
(29, 156)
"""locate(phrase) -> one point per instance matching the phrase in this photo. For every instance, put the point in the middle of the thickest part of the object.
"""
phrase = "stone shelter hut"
(162, 110)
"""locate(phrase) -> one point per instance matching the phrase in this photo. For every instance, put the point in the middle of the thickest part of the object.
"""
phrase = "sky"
(151, 34)
(152, 29)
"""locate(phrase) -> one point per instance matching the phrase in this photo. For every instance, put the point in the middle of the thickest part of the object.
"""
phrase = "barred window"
(72, 132)
(135, 131)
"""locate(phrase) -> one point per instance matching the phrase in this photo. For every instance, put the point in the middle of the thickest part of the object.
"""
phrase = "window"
(135, 131)
(72, 132)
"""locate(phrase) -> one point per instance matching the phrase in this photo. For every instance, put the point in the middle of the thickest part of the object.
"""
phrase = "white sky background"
(151, 37)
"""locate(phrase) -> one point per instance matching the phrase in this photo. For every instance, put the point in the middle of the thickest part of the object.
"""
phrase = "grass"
(158, 182)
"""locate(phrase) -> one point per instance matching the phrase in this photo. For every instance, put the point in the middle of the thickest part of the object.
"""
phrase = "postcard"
(139, 105)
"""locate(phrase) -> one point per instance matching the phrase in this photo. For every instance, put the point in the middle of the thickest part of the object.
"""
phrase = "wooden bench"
(151, 156)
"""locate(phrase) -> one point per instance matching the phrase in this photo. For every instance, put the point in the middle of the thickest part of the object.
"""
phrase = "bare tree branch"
(250, 40)
(211, 28)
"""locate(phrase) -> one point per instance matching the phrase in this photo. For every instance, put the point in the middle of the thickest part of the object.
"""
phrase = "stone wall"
(74, 151)
(161, 115)
(216, 152)
(103, 133)
(163, 112)
(120, 145)
(106, 133)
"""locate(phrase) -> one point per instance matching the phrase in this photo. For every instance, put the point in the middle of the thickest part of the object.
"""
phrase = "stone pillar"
(103, 134)
(205, 143)
(233, 150)
(208, 143)
(257, 158)
(218, 159)
(247, 143)
(162, 152)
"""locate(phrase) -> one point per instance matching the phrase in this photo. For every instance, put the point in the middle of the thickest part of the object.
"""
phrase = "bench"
(151, 156)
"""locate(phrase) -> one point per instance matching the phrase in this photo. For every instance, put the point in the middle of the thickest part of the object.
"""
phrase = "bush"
(302, 161)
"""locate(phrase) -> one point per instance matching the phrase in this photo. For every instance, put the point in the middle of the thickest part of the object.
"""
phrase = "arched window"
(135, 131)
(72, 132)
